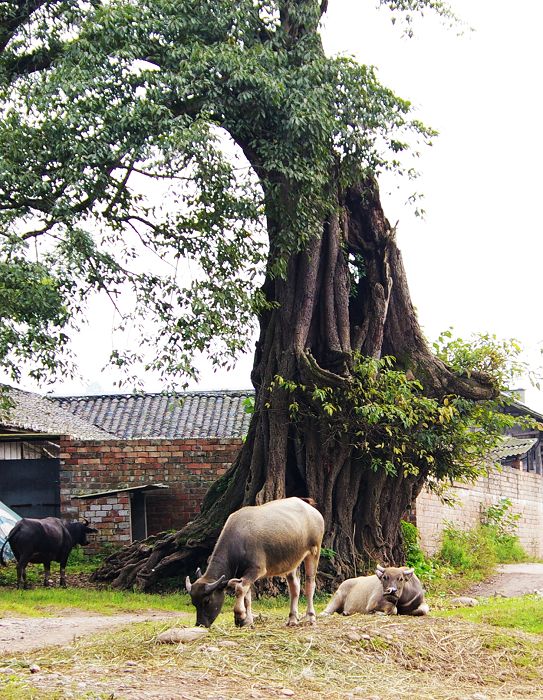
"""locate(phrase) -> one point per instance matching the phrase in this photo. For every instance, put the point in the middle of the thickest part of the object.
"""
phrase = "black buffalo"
(43, 541)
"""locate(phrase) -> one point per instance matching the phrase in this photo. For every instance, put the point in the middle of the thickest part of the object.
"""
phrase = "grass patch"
(49, 601)
(524, 613)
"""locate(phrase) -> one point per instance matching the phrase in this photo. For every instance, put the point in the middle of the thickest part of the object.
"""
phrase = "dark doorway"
(138, 515)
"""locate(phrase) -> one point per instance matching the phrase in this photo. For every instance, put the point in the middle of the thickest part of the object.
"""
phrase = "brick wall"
(187, 467)
(524, 489)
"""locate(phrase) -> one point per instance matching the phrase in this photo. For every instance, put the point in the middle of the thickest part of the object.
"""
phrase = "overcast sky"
(475, 262)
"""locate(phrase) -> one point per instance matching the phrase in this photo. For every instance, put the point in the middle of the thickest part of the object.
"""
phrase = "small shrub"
(501, 526)
(472, 552)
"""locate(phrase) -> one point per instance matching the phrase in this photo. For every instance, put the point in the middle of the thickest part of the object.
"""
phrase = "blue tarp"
(8, 518)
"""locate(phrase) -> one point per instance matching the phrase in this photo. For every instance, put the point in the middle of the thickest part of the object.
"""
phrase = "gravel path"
(26, 633)
(511, 580)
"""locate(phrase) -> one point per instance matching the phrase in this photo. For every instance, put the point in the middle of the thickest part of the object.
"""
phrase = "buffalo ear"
(188, 584)
(234, 582)
(379, 570)
(408, 573)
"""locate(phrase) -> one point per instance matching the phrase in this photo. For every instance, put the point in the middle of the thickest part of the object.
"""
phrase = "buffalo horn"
(85, 521)
(198, 572)
(210, 587)
(188, 584)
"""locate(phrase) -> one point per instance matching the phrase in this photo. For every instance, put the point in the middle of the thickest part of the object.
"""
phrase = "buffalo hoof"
(309, 619)
(293, 621)
(247, 621)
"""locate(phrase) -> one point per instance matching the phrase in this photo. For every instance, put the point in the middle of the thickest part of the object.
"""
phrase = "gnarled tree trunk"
(309, 336)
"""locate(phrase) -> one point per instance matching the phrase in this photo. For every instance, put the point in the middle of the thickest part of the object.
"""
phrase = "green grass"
(524, 613)
(78, 563)
(49, 601)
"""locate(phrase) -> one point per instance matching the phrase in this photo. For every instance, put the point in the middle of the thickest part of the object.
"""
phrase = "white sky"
(474, 262)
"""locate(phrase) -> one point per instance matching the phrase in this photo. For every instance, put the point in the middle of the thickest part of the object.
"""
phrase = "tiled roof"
(199, 414)
(38, 414)
(513, 447)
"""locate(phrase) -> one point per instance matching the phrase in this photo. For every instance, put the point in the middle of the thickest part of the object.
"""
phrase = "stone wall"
(524, 489)
(187, 467)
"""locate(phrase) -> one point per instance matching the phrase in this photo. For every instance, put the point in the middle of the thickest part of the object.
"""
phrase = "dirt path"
(26, 633)
(511, 580)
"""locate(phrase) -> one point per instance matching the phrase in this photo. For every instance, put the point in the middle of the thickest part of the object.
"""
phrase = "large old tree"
(268, 154)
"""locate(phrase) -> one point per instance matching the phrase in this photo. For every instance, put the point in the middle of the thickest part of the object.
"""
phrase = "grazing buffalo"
(43, 541)
(260, 542)
(394, 591)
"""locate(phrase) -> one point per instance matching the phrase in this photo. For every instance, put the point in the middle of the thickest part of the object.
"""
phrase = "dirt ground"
(20, 634)
(511, 580)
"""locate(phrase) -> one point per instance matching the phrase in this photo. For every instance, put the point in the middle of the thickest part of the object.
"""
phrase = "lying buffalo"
(43, 541)
(394, 591)
(260, 542)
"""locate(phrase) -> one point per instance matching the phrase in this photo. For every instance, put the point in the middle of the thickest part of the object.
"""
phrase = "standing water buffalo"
(260, 542)
(43, 541)
(394, 591)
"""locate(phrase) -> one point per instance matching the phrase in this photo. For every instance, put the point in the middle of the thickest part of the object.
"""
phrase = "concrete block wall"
(188, 467)
(523, 488)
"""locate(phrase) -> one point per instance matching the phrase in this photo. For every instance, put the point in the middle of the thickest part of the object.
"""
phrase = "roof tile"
(199, 414)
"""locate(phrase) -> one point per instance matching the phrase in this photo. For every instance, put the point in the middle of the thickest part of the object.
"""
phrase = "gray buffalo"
(394, 591)
(41, 541)
(259, 542)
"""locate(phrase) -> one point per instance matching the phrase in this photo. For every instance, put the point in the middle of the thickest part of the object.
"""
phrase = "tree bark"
(309, 334)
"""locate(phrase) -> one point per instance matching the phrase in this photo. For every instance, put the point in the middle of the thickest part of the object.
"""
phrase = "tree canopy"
(214, 107)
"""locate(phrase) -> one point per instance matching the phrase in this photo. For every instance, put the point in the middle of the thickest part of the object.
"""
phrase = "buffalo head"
(393, 581)
(79, 532)
(207, 597)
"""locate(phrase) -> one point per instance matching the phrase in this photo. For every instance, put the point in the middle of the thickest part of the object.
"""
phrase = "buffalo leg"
(20, 569)
(310, 566)
(248, 607)
(243, 615)
(336, 604)
(63, 574)
(21, 573)
(46, 573)
(293, 581)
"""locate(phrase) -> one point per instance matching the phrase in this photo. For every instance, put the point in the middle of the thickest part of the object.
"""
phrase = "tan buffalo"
(394, 591)
(259, 542)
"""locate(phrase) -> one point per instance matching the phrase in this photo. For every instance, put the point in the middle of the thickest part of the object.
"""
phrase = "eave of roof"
(513, 447)
(122, 489)
(38, 415)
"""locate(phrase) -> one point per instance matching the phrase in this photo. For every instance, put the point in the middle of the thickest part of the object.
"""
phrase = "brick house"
(134, 465)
